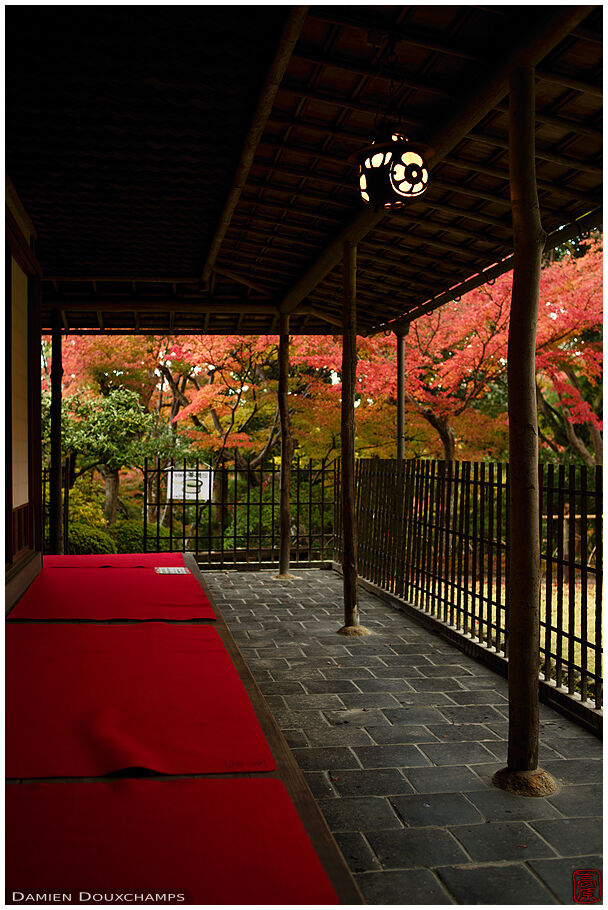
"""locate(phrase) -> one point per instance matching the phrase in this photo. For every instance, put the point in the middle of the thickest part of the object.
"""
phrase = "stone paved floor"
(398, 736)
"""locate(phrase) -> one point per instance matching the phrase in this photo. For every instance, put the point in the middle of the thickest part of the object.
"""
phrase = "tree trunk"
(286, 447)
(446, 434)
(524, 575)
(55, 510)
(111, 480)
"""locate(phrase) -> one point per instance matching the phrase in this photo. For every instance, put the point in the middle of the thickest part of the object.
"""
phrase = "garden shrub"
(84, 538)
(128, 535)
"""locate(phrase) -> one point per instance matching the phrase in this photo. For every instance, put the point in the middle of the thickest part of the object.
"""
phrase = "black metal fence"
(66, 467)
(436, 535)
(229, 516)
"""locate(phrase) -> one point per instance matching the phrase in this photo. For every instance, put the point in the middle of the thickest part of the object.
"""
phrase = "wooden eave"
(275, 249)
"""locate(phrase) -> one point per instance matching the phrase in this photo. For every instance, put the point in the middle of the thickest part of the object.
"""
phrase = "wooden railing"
(436, 535)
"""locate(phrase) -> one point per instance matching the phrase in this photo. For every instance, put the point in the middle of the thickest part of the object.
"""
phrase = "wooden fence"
(436, 535)
(239, 525)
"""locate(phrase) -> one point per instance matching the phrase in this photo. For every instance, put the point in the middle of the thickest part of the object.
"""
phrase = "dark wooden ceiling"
(125, 127)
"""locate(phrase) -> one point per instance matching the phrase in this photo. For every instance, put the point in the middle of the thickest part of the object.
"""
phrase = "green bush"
(128, 535)
(86, 504)
(87, 539)
(165, 544)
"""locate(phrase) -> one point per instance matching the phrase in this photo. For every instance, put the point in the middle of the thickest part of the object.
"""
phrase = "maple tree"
(216, 396)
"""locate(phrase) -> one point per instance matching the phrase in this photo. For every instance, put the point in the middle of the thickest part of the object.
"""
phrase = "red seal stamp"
(587, 886)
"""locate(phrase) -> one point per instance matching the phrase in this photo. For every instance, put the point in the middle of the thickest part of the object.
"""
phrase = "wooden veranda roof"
(189, 169)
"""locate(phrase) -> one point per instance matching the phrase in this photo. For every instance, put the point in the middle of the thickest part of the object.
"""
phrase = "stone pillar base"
(525, 783)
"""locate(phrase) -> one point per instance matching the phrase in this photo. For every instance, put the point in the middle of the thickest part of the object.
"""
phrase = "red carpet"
(87, 700)
(235, 841)
(103, 594)
(112, 560)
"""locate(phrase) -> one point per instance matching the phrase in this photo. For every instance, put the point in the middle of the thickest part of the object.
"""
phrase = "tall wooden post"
(55, 516)
(401, 332)
(352, 625)
(286, 449)
(522, 774)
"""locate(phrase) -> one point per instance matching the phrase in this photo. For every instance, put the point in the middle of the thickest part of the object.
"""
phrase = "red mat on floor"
(87, 700)
(112, 560)
(236, 841)
(103, 594)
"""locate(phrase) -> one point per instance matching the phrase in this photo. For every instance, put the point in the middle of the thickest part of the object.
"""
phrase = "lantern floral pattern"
(409, 177)
(390, 172)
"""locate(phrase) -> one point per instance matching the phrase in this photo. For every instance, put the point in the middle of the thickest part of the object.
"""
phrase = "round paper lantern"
(391, 172)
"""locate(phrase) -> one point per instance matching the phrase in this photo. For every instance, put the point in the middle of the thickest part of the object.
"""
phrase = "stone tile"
(577, 748)
(439, 809)
(298, 674)
(324, 702)
(369, 700)
(410, 886)
(498, 805)
(481, 697)
(419, 699)
(578, 800)
(456, 753)
(415, 715)
(499, 841)
(295, 738)
(320, 759)
(382, 782)
(446, 670)
(575, 770)
(406, 660)
(409, 847)
(356, 851)
(572, 836)
(281, 688)
(400, 733)
(345, 672)
(482, 682)
(436, 685)
(472, 714)
(557, 873)
(398, 673)
(384, 685)
(288, 636)
(455, 733)
(512, 884)
(444, 779)
(348, 735)
(330, 686)
(319, 784)
(406, 756)
(358, 717)
(366, 813)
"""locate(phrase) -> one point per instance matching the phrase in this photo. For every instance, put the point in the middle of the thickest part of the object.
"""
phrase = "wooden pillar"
(522, 773)
(352, 624)
(401, 332)
(286, 448)
(55, 516)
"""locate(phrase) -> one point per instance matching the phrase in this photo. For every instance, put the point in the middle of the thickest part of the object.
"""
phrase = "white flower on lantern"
(409, 176)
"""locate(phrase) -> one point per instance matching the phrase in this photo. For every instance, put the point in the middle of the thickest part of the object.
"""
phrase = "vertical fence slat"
(598, 587)
(560, 574)
(583, 583)
(550, 483)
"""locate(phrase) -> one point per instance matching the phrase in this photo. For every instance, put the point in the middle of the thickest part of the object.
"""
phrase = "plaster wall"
(20, 406)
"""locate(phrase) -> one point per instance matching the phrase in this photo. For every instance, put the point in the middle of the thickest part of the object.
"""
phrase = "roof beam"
(587, 222)
(288, 41)
(393, 32)
(532, 47)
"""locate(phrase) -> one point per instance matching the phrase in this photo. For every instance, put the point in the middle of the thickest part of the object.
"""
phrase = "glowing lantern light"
(391, 172)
